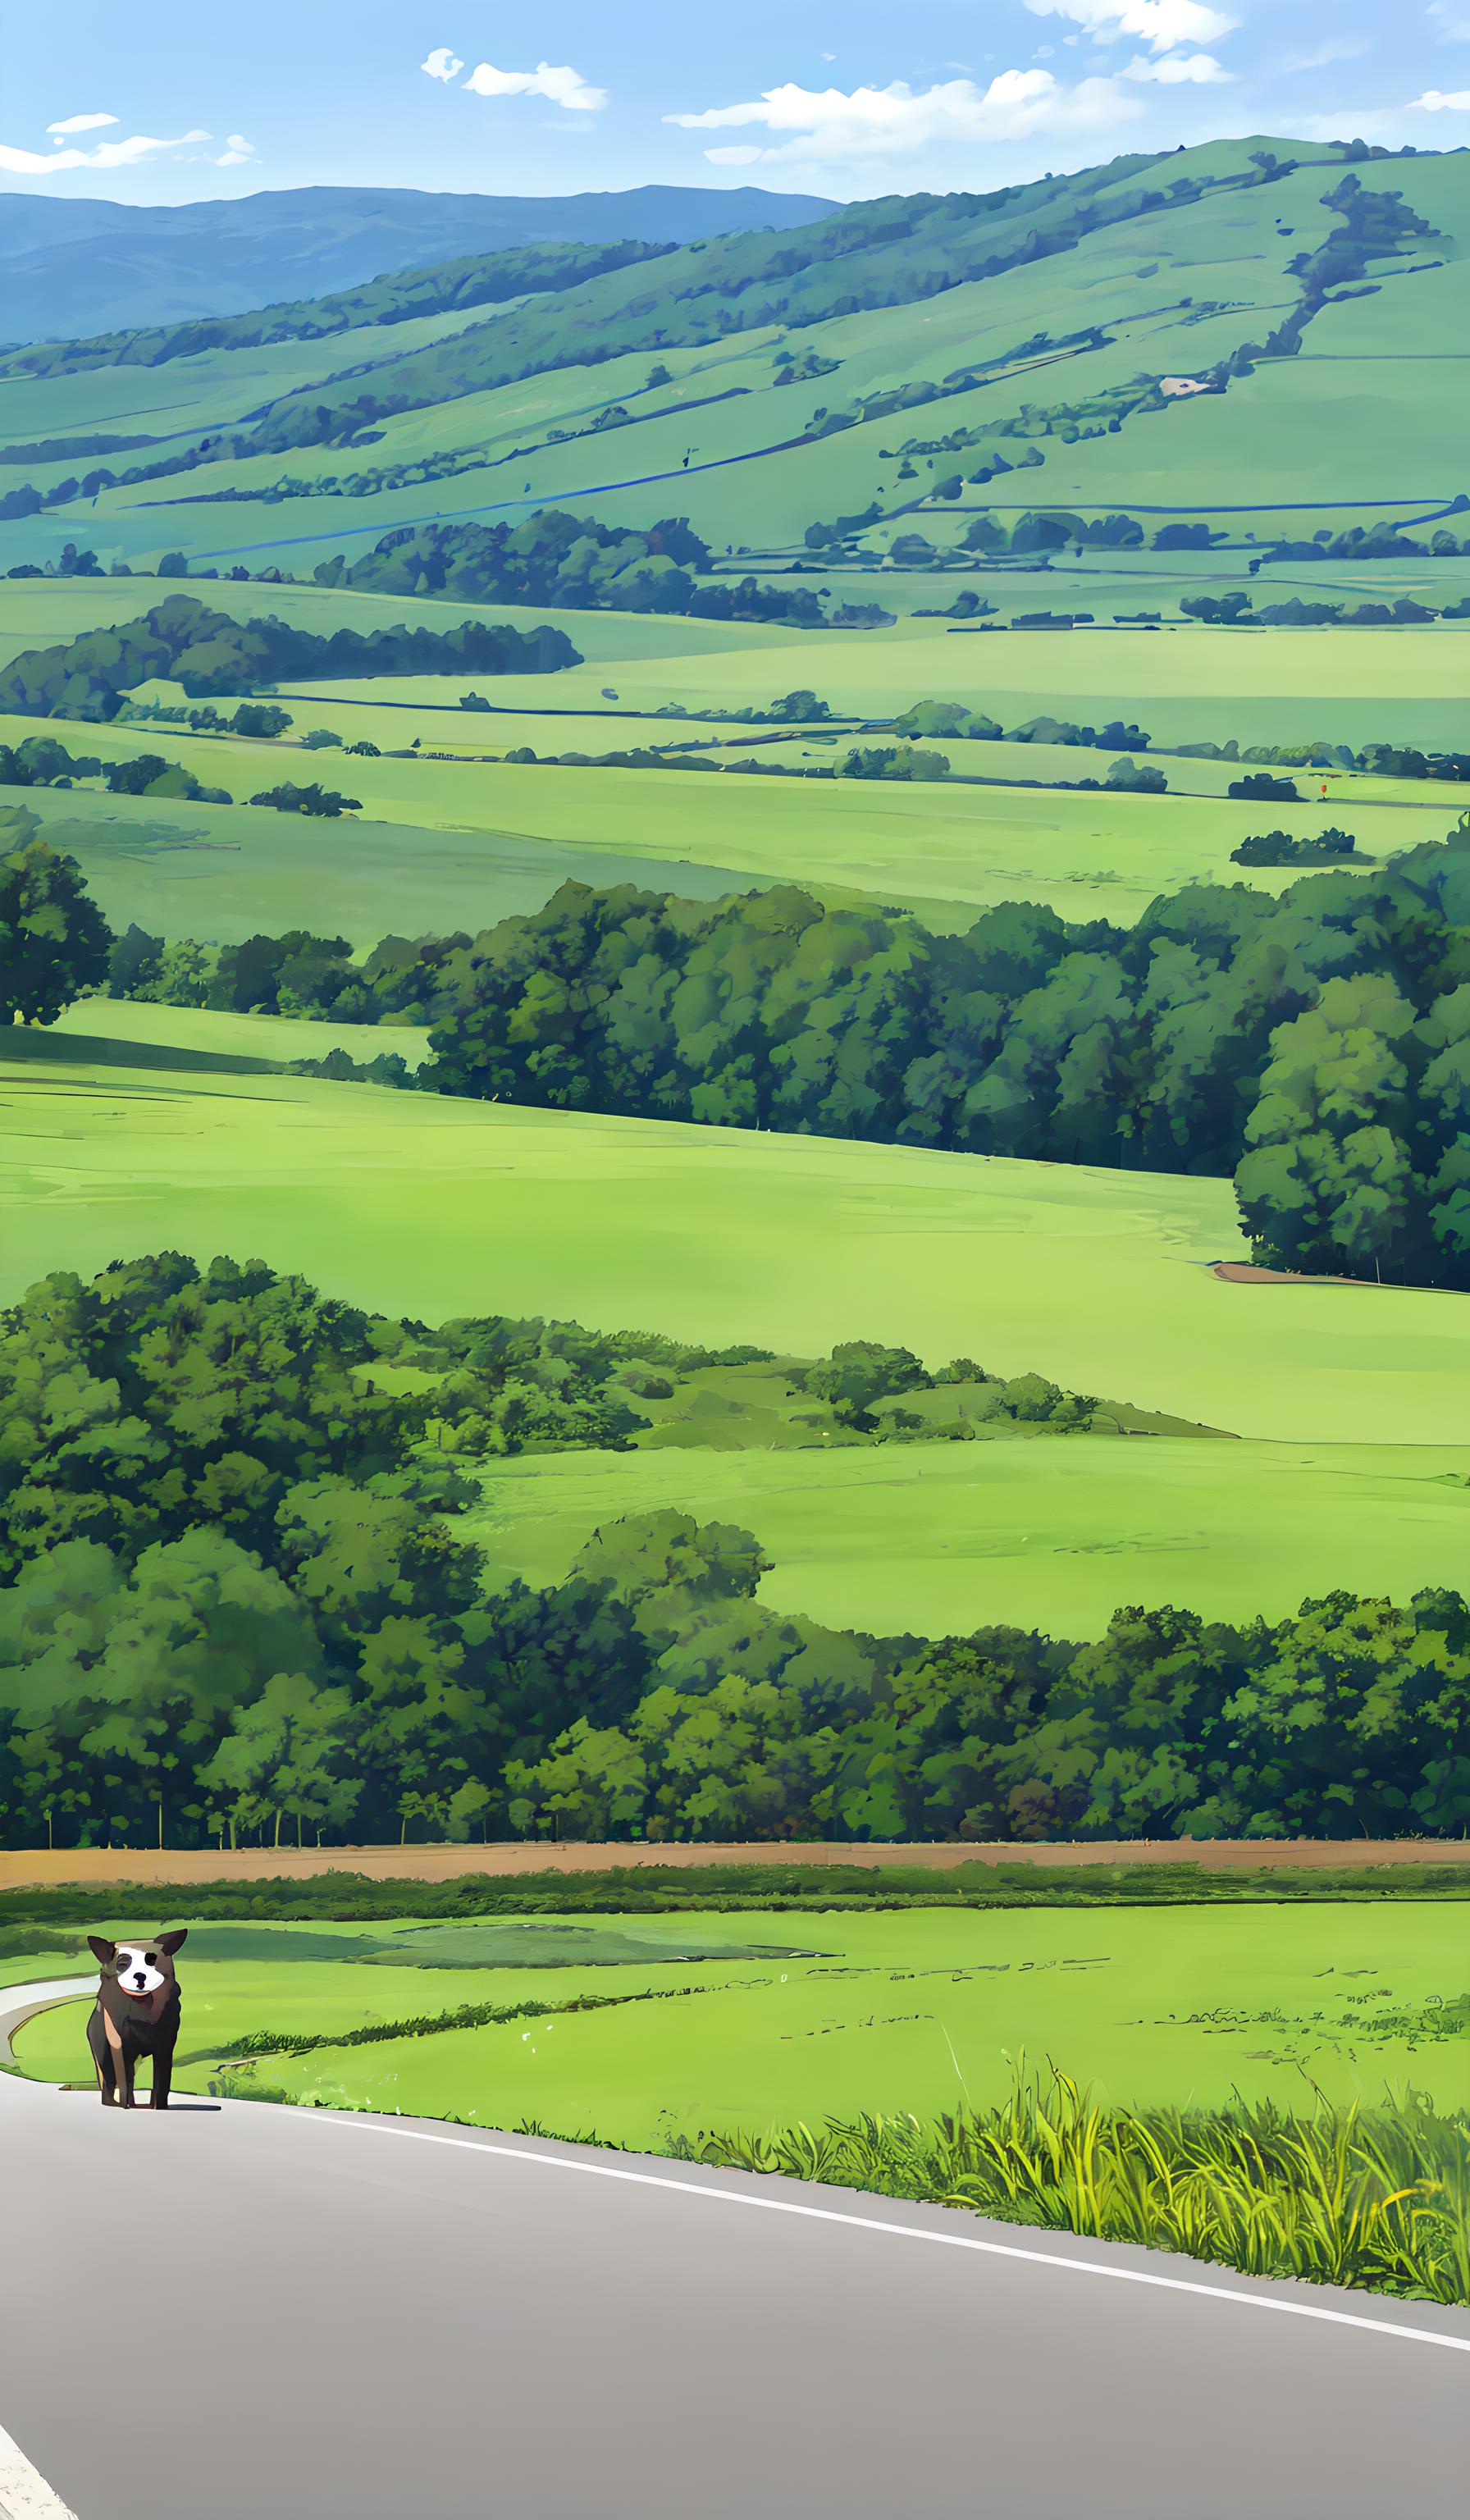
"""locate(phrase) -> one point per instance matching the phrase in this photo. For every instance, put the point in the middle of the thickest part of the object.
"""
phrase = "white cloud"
(79, 123)
(1163, 24)
(443, 64)
(1348, 48)
(826, 126)
(107, 153)
(563, 86)
(1432, 102)
(237, 151)
(1180, 69)
(741, 157)
(1453, 18)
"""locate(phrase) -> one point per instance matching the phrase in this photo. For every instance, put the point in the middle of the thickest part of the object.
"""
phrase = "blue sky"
(163, 101)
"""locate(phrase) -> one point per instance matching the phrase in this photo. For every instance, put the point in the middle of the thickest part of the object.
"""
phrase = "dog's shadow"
(175, 2108)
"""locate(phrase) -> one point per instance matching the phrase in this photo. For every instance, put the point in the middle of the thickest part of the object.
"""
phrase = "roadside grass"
(1375, 2200)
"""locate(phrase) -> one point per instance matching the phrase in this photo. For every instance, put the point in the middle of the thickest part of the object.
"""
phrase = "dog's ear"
(171, 1942)
(105, 1952)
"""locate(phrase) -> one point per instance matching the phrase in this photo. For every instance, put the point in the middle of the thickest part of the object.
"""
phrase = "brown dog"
(136, 2014)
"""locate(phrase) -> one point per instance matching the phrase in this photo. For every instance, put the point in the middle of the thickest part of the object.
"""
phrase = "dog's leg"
(162, 2080)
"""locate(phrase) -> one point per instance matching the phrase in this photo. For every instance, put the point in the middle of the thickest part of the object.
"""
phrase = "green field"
(220, 872)
(1100, 1280)
(833, 2014)
(470, 839)
(939, 1539)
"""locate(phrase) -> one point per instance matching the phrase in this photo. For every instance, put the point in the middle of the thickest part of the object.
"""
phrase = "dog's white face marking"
(138, 1970)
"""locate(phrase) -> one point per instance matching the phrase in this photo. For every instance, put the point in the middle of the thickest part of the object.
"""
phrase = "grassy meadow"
(938, 1538)
(1101, 1280)
(753, 2022)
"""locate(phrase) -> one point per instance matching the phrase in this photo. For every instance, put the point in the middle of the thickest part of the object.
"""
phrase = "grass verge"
(1370, 2200)
(1375, 2200)
(648, 1888)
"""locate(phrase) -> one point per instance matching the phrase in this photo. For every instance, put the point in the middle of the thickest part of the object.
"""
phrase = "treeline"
(236, 1602)
(407, 981)
(557, 559)
(1237, 611)
(211, 654)
(1381, 541)
(1278, 848)
(961, 724)
(470, 280)
(1317, 1045)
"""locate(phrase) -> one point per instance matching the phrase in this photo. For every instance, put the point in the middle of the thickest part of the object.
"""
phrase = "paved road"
(247, 2311)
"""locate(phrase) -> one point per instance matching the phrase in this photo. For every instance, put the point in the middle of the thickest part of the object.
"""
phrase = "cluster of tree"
(892, 761)
(1236, 611)
(1051, 529)
(54, 941)
(1367, 542)
(211, 654)
(556, 559)
(39, 761)
(961, 724)
(405, 981)
(552, 558)
(253, 717)
(148, 773)
(1278, 848)
(238, 1603)
(1402, 761)
(793, 708)
(288, 799)
(1317, 1044)
(1381, 760)
(1261, 787)
(503, 1386)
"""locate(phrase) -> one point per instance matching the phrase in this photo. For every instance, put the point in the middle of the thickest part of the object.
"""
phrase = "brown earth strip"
(139, 1867)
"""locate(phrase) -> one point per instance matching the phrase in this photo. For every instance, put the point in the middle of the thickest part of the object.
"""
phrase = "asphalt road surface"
(245, 2310)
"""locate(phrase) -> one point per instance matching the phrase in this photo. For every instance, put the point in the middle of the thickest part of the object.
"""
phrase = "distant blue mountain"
(69, 268)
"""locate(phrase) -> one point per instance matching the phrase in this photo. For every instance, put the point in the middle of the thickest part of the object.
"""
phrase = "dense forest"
(1317, 1045)
(237, 1603)
(211, 654)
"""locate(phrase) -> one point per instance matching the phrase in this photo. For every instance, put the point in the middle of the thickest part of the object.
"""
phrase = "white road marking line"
(25, 2494)
(905, 2230)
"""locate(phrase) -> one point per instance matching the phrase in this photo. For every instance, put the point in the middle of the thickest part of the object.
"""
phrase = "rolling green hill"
(869, 405)
(744, 506)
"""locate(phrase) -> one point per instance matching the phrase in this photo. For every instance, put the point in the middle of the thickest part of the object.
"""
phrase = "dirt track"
(91, 1865)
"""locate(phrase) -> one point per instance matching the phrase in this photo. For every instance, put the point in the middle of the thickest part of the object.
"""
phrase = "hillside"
(71, 267)
(875, 580)
(1098, 397)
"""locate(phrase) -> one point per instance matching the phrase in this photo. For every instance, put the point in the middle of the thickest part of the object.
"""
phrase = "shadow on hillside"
(24, 1042)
